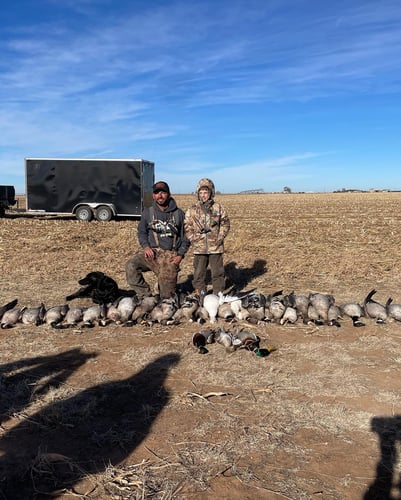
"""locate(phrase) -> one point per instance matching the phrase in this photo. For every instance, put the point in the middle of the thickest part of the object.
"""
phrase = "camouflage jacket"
(206, 229)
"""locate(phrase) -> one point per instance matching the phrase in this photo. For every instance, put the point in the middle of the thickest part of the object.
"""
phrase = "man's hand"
(176, 259)
(149, 253)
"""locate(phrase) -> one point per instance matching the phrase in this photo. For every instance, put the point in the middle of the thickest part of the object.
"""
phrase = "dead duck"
(242, 338)
(374, 309)
(224, 338)
(393, 310)
(33, 315)
(354, 311)
(201, 338)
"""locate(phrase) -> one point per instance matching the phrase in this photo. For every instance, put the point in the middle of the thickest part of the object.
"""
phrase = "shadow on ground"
(385, 485)
(71, 438)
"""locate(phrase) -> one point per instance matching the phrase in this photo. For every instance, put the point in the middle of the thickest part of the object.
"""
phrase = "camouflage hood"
(205, 183)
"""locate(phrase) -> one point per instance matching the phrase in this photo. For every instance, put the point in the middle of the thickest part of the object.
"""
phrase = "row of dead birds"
(251, 306)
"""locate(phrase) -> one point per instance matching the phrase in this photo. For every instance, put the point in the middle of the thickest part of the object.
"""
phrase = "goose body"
(374, 309)
(33, 315)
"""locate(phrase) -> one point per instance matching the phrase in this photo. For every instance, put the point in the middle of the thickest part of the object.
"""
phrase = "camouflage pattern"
(165, 270)
(206, 224)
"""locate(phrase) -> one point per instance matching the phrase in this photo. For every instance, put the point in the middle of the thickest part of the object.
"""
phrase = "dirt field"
(118, 413)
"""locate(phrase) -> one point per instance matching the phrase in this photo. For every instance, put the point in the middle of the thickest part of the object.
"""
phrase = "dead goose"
(144, 307)
(11, 317)
(55, 314)
(276, 309)
(164, 311)
(290, 316)
(94, 314)
(354, 311)
(33, 315)
(211, 303)
(73, 317)
(126, 307)
(333, 315)
(373, 309)
(321, 303)
(393, 310)
(7, 307)
(188, 308)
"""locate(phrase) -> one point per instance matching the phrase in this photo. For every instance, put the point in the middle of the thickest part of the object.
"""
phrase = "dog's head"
(92, 278)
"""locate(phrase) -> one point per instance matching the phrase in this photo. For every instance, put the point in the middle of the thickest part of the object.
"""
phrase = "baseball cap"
(161, 186)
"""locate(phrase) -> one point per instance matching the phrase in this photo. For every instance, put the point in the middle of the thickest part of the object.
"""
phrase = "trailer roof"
(91, 159)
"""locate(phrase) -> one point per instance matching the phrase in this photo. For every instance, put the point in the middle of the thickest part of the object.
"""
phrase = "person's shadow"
(236, 278)
(23, 381)
(82, 435)
(239, 278)
(388, 430)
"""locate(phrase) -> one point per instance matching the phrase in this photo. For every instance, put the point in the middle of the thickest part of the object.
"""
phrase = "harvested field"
(136, 412)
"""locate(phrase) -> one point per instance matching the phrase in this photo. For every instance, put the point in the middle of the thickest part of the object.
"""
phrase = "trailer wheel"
(84, 213)
(103, 213)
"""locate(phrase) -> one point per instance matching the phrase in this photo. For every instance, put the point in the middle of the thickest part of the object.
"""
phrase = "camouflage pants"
(215, 261)
(165, 270)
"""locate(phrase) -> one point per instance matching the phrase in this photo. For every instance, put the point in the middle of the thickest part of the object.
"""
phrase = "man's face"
(204, 194)
(161, 197)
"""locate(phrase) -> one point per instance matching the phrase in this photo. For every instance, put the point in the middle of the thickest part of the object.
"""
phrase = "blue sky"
(253, 94)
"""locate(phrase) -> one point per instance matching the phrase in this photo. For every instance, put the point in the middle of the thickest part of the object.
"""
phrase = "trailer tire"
(84, 213)
(103, 213)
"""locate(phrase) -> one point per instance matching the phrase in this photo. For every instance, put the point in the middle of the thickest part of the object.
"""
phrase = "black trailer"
(88, 188)
(7, 198)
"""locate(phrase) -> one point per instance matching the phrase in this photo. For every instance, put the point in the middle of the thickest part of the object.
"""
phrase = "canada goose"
(55, 314)
(290, 316)
(33, 315)
(94, 314)
(373, 309)
(126, 307)
(225, 312)
(302, 305)
(143, 308)
(354, 311)
(393, 310)
(164, 311)
(333, 315)
(188, 308)
(276, 309)
(7, 307)
(321, 303)
(11, 317)
(74, 315)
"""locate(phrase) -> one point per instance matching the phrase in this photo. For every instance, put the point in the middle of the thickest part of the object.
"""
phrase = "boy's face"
(204, 194)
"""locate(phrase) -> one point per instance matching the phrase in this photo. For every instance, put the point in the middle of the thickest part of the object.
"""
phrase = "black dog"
(99, 287)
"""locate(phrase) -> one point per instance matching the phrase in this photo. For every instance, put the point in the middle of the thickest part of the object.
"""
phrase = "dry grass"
(136, 413)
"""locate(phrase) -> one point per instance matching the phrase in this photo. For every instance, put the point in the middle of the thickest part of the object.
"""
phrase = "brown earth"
(136, 412)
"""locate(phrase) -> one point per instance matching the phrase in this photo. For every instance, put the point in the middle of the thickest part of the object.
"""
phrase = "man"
(207, 225)
(164, 244)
